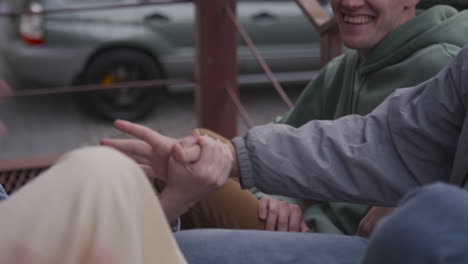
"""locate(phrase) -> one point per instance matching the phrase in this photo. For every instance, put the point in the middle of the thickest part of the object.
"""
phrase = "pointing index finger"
(153, 138)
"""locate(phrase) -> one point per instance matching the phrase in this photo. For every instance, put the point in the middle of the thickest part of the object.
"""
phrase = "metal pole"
(216, 41)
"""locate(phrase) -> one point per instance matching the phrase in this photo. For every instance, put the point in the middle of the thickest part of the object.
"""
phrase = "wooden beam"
(216, 42)
(331, 44)
(315, 13)
(5, 89)
(28, 163)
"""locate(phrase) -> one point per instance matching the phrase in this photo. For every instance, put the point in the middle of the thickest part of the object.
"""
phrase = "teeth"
(358, 19)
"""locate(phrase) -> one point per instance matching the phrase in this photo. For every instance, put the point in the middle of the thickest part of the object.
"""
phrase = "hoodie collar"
(407, 38)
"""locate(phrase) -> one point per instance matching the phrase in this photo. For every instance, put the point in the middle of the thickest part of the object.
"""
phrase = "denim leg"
(431, 226)
(206, 246)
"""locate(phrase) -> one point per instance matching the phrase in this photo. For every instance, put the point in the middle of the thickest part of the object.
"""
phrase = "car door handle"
(157, 17)
(263, 17)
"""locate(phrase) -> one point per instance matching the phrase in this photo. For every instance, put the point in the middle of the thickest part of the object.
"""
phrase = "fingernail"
(196, 135)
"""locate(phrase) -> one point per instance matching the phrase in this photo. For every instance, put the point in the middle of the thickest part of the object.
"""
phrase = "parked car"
(143, 43)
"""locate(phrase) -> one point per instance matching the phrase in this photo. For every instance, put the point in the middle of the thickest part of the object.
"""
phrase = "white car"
(143, 43)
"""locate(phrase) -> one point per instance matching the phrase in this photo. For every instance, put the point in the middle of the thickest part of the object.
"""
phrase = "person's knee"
(100, 163)
(428, 227)
(93, 154)
(436, 194)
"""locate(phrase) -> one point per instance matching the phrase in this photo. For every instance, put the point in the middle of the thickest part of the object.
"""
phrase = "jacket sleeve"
(309, 102)
(409, 140)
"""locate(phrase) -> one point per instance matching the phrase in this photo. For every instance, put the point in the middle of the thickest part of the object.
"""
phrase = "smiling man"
(392, 44)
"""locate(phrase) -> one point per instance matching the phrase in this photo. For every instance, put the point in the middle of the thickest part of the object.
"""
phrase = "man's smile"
(357, 20)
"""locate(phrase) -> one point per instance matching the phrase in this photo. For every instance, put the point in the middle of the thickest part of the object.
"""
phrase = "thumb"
(178, 153)
(185, 155)
(191, 147)
(190, 140)
(192, 154)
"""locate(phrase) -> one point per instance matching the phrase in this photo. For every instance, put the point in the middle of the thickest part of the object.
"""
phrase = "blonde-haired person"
(97, 206)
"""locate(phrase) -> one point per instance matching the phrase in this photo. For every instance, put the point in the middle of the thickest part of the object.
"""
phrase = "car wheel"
(123, 65)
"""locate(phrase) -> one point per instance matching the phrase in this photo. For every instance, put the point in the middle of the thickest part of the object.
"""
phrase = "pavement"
(54, 124)
(46, 125)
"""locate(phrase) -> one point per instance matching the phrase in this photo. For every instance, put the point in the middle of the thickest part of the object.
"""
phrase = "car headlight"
(30, 25)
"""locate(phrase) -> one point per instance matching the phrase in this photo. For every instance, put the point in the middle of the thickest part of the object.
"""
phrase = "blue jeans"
(430, 226)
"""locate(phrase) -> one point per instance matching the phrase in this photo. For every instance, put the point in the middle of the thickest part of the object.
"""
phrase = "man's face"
(364, 23)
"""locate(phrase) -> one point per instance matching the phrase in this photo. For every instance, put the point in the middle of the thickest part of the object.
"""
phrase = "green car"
(143, 43)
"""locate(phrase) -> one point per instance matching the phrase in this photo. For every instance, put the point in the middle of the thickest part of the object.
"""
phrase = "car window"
(82, 3)
(100, 1)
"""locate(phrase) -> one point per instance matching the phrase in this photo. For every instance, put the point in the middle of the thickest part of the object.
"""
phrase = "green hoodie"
(409, 55)
(458, 4)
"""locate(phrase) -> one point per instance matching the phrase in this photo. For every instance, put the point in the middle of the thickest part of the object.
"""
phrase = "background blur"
(50, 124)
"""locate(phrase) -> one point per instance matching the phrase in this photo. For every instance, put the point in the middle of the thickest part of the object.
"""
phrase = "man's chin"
(358, 45)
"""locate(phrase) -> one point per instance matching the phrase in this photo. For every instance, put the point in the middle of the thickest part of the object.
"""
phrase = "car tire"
(122, 65)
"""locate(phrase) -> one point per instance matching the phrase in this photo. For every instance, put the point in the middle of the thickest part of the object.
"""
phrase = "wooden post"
(330, 39)
(216, 69)
(331, 44)
(5, 89)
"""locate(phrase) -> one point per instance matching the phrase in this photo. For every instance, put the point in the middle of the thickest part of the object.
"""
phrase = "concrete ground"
(44, 125)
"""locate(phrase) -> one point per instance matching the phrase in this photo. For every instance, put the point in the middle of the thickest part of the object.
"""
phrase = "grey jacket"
(416, 136)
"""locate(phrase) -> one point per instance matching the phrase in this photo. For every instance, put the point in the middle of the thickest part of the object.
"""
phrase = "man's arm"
(409, 140)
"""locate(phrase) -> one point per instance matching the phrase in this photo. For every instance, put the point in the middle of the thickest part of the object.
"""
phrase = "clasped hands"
(192, 167)
(195, 166)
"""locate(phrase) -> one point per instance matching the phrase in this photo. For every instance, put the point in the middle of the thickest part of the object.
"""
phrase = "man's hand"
(235, 170)
(281, 216)
(151, 150)
(369, 222)
(188, 182)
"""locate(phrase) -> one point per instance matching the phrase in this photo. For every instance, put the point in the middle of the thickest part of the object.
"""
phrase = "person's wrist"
(174, 203)
(235, 167)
